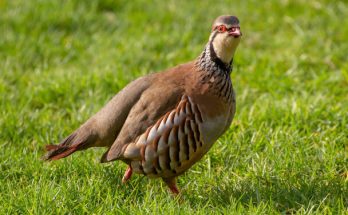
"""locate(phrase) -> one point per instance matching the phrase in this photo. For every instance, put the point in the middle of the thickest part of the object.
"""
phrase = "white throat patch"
(225, 46)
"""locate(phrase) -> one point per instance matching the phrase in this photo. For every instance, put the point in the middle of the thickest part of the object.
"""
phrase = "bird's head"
(225, 37)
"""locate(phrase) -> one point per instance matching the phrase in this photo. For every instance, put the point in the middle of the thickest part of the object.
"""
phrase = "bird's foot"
(127, 175)
(174, 189)
(171, 182)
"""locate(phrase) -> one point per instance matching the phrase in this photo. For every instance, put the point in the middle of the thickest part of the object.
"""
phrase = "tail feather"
(68, 146)
(51, 147)
(59, 152)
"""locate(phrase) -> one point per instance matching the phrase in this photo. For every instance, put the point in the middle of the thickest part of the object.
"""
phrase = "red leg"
(171, 182)
(127, 175)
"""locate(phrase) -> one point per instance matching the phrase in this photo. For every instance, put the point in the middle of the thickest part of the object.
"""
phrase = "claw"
(127, 175)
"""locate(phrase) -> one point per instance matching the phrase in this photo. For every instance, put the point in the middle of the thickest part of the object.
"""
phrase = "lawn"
(285, 152)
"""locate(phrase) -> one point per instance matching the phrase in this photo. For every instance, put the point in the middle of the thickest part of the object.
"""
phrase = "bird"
(161, 124)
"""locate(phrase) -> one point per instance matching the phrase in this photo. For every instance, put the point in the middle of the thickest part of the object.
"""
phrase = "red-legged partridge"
(163, 123)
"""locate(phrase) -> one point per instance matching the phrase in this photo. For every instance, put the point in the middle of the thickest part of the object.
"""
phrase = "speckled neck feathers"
(215, 73)
(209, 62)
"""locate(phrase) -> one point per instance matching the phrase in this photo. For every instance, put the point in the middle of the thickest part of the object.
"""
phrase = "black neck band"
(225, 67)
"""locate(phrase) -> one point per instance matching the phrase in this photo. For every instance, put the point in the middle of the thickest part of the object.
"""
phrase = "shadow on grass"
(112, 177)
(287, 194)
(284, 195)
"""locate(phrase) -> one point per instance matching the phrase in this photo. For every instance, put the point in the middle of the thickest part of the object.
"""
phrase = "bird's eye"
(222, 28)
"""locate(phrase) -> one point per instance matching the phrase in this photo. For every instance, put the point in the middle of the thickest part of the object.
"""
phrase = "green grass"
(285, 152)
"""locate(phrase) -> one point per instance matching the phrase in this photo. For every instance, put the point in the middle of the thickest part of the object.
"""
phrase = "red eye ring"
(222, 28)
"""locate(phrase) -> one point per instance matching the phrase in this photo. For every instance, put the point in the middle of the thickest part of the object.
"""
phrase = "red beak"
(235, 31)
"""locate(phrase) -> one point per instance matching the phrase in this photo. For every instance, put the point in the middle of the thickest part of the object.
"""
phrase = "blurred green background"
(285, 152)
